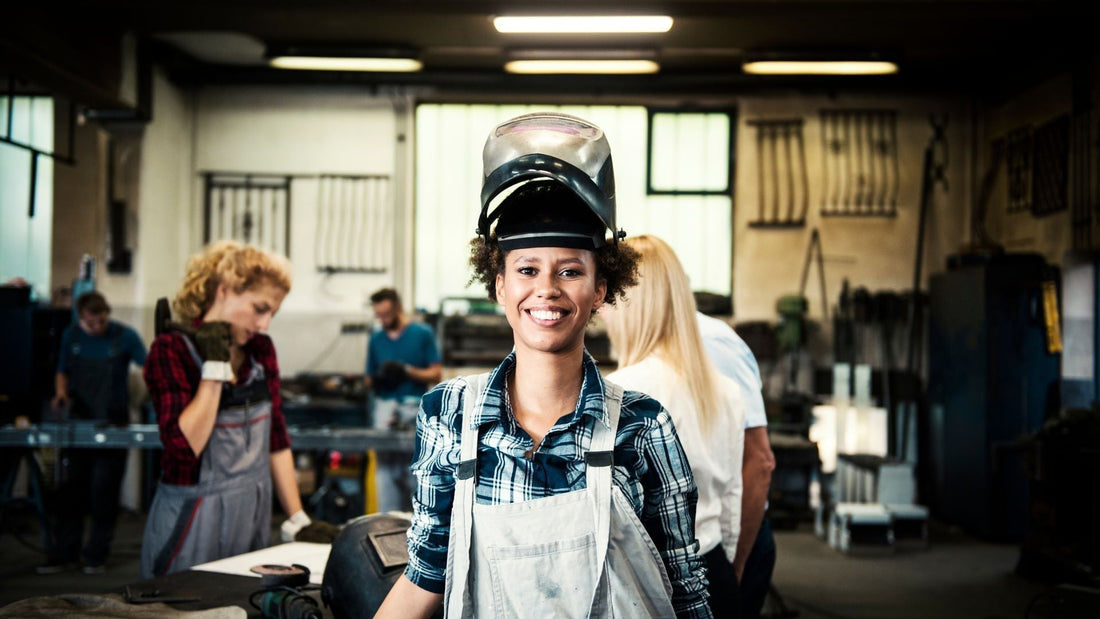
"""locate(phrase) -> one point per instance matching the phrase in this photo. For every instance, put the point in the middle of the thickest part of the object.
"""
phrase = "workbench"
(19, 443)
(89, 434)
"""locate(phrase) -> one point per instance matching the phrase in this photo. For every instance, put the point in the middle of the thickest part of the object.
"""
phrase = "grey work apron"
(578, 554)
(229, 511)
(98, 386)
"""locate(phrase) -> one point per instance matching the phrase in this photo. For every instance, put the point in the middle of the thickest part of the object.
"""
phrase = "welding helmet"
(366, 559)
(532, 160)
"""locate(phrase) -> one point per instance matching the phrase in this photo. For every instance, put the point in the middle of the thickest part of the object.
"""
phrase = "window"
(696, 223)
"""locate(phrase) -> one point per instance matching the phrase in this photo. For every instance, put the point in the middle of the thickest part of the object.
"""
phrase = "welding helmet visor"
(547, 146)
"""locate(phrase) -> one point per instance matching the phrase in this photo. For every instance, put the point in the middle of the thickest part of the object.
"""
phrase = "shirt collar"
(591, 401)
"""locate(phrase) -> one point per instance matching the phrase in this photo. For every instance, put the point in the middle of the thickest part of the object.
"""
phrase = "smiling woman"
(541, 488)
(216, 395)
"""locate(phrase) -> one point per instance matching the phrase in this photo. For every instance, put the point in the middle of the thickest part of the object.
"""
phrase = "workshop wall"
(165, 218)
(342, 131)
(874, 251)
(272, 131)
(1035, 189)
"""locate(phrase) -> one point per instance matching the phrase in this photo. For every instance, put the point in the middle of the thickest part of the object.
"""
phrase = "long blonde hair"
(241, 267)
(658, 318)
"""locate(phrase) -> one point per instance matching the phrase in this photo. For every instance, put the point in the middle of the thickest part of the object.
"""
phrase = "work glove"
(213, 340)
(292, 525)
(318, 532)
(390, 375)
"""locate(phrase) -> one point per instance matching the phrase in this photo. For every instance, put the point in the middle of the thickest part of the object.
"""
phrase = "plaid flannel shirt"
(650, 468)
(172, 378)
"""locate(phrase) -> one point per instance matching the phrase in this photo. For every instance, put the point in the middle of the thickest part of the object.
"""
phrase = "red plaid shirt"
(172, 378)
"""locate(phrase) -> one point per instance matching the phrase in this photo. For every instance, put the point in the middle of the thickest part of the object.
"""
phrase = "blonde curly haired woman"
(216, 394)
(660, 352)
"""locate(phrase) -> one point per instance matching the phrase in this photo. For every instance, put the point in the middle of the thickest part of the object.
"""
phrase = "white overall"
(578, 554)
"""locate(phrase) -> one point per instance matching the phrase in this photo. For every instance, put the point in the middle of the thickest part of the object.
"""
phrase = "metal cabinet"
(991, 383)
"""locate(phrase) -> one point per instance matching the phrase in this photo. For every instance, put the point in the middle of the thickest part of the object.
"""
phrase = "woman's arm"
(407, 600)
(286, 484)
(756, 475)
(186, 406)
(196, 421)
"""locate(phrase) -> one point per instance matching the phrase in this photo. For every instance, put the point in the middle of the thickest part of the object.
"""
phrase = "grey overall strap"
(599, 459)
(465, 488)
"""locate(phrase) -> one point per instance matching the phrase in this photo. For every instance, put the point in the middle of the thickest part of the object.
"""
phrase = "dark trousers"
(91, 481)
(757, 578)
(722, 584)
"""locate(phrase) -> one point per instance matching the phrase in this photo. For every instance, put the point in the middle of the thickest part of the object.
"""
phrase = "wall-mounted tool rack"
(250, 208)
(782, 183)
(860, 162)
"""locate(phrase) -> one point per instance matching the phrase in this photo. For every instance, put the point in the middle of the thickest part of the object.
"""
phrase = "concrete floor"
(957, 576)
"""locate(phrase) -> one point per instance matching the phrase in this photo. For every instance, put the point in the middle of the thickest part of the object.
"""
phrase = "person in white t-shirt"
(755, 558)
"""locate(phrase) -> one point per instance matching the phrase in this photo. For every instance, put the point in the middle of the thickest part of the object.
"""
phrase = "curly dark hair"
(616, 264)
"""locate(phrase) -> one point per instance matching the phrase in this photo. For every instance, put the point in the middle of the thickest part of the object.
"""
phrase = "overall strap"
(465, 488)
(599, 459)
(194, 352)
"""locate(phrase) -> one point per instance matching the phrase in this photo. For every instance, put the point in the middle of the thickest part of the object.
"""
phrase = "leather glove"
(213, 340)
(318, 532)
(292, 525)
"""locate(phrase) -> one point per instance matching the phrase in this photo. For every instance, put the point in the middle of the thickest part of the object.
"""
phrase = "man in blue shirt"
(403, 361)
(92, 381)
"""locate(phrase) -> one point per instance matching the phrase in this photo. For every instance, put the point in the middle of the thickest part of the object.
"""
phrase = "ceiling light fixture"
(334, 58)
(581, 67)
(581, 62)
(820, 62)
(820, 67)
(585, 24)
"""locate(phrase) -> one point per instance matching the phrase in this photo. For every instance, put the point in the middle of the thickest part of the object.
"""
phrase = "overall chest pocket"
(549, 579)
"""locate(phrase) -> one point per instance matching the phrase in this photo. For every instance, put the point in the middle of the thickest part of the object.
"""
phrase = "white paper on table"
(313, 556)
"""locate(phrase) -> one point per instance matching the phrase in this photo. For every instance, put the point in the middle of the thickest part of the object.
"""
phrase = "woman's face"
(549, 294)
(249, 312)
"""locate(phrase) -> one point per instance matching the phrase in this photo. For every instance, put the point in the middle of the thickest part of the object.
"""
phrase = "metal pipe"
(804, 175)
(760, 172)
(773, 138)
(787, 130)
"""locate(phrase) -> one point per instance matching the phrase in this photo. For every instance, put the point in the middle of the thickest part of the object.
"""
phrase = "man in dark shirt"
(92, 381)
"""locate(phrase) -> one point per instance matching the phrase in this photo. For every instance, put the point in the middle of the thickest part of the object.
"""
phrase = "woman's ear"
(499, 287)
(220, 294)
(601, 293)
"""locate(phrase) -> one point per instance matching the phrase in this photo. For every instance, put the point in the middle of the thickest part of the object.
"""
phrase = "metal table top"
(88, 434)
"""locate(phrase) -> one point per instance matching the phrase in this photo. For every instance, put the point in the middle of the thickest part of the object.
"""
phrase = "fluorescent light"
(561, 24)
(604, 66)
(820, 67)
(343, 63)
